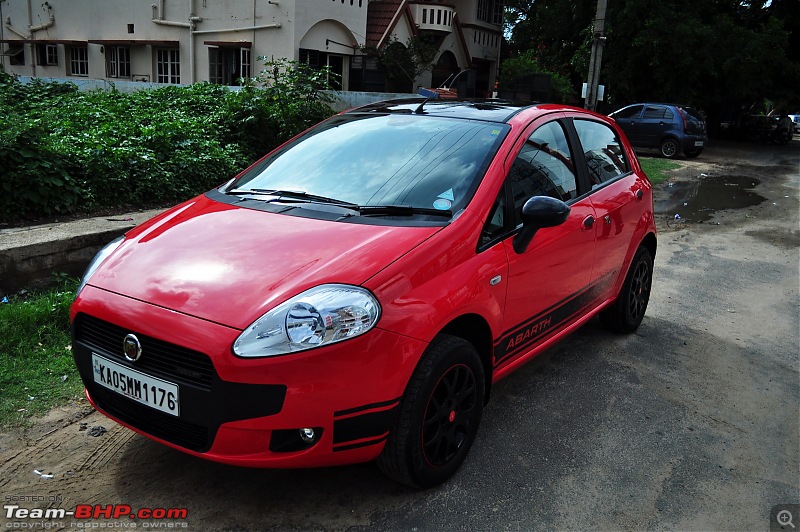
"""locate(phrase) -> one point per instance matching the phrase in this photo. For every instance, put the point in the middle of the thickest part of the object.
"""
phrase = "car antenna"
(421, 109)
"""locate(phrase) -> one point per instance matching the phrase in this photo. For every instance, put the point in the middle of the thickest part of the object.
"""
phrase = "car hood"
(230, 265)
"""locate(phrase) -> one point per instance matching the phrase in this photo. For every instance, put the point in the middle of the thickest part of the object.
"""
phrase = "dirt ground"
(691, 423)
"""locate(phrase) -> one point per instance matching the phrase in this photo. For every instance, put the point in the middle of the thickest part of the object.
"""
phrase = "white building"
(185, 41)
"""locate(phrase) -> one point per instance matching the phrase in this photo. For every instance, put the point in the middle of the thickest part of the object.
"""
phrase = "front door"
(548, 284)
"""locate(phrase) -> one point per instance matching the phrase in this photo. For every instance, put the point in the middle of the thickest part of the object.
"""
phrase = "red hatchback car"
(353, 295)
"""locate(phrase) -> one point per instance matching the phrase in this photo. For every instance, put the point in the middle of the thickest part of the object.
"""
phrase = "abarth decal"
(549, 321)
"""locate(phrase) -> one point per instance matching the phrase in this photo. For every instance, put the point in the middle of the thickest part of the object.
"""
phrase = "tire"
(627, 312)
(670, 148)
(782, 137)
(694, 152)
(439, 415)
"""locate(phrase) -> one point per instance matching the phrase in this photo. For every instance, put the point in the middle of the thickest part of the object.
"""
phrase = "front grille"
(158, 424)
(173, 362)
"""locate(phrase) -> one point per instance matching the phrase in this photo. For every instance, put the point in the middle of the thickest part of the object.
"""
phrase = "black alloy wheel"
(448, 415)
(439, 415)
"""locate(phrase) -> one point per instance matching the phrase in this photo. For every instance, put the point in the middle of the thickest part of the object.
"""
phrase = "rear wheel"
(627, 312)
(782, 136)
(694, 152)
(670, 148)
(439, 415)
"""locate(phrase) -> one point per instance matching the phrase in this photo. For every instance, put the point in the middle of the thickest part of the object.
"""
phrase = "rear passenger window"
(543, 167)
(603, 151)
(655, 111)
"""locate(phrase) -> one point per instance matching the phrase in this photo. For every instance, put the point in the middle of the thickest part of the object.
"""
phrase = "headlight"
(98, 259)
(320, 316)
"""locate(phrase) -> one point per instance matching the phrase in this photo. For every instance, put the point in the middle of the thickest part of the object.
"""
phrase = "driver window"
(544, 167)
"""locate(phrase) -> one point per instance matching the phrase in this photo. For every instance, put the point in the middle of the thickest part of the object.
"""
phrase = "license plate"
(144, 389)
(698, 143)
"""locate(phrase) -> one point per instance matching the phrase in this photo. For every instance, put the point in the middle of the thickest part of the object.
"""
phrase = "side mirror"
(539, 212)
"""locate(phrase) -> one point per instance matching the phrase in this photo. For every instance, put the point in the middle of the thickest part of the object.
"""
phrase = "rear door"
(617, 198)
(656, 121)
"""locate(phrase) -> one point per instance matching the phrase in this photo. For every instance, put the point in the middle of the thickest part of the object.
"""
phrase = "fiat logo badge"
(132, 348)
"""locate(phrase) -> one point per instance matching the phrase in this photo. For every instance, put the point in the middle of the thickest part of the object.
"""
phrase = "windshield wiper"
(298, 196)
(290, 196)
(400, 210)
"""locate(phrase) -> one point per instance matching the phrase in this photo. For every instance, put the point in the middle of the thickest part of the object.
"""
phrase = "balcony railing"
(433, 17)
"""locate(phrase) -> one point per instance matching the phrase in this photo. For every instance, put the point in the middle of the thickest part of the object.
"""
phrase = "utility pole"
(598, 41)
(2, 36)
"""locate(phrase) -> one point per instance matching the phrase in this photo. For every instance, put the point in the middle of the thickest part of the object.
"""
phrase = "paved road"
(691, 423)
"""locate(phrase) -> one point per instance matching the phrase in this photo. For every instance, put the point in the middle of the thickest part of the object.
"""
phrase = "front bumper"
(245, 411)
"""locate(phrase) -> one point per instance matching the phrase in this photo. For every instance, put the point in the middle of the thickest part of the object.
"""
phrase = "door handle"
(588, 222)
(639, 195)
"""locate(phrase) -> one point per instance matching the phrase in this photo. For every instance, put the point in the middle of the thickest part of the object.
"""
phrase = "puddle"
(698, 201)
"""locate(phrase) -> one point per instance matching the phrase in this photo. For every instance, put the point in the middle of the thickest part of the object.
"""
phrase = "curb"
(30, 255)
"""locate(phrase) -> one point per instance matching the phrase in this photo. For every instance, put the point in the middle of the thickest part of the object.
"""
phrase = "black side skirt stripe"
(353, 429)
(549, 321)
(372, 406)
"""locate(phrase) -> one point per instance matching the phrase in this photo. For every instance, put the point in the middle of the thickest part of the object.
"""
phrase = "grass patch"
(37, 371)
(657, 168)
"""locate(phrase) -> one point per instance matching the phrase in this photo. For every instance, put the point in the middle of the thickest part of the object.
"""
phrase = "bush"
(65, 151)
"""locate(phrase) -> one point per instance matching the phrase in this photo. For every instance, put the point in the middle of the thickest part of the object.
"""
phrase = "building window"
(490, 11)
(244, 53)
(228, 66)
(47, 54)
(497, 17)
(168, 65)
(119, 61)
(319, 60)
(79, 61)
(16, 54)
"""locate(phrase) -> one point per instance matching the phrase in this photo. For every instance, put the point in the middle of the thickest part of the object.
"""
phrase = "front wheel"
(439, 415)
(670, 148)
(627, 312)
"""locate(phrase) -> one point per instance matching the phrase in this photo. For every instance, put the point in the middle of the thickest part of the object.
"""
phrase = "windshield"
(384, 159)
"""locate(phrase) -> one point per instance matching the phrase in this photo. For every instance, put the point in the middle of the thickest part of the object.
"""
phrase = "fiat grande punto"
(354, 295)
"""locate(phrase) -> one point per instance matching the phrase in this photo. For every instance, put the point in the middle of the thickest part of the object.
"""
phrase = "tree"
(709, 53)
(404, 63)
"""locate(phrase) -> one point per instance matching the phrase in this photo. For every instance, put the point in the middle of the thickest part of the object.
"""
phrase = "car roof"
(489, 110)
(657, 103)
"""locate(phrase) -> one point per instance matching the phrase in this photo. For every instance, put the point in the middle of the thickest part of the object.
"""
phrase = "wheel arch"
(475, 329)
(651, 243)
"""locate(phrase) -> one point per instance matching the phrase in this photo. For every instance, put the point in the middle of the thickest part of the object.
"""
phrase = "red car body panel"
(201, 273)
(217, 268)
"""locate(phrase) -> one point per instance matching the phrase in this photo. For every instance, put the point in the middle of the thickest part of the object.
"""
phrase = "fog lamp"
(308, 435)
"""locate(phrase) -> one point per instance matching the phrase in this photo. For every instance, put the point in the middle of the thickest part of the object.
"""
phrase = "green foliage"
(404, 63)
(36, 367)
(657, 169)
(706, 53)
(65, 151)
(525, 64)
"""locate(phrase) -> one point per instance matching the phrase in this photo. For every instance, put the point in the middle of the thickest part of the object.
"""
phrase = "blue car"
(667, 127)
